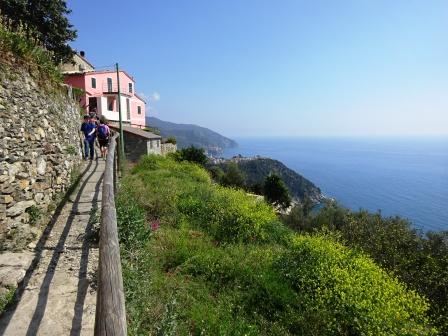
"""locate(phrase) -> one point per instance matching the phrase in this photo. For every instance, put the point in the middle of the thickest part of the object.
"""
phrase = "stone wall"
(168, 148)
(39, 149)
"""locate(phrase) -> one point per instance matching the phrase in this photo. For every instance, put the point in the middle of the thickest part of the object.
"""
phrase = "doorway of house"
(92, 104)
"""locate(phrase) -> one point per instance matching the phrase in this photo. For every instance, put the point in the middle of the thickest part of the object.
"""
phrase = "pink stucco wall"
(77, 81)
(84, 81)
(101, 82)
(138, 119)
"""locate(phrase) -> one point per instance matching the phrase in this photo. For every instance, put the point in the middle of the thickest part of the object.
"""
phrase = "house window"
(150, 144)
(128, 109)
(93, 83)
(139, 109)
(110, 103)
(109, 85)
(130, 87)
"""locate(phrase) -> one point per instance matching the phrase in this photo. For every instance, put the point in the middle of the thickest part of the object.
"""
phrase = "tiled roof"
(136, 131)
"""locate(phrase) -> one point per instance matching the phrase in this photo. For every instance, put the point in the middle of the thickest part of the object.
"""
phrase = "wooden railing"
(110, 318)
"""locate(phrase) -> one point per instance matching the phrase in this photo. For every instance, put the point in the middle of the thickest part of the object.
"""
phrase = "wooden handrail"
(110, 317)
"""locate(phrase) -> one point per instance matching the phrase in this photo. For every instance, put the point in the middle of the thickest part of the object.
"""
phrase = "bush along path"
(57, 295)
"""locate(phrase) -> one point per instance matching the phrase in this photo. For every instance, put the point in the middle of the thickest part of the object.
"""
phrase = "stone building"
(138, 142)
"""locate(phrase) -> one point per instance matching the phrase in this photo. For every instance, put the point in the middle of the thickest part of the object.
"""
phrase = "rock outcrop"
(39, 149)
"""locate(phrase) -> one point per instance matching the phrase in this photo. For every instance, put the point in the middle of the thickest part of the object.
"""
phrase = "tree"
(192, 154)
(275, 191)
(46, 21)
(233, 177)
(307, 206)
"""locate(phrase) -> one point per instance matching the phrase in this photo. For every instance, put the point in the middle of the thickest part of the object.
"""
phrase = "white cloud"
(155, 96)
(150, 103)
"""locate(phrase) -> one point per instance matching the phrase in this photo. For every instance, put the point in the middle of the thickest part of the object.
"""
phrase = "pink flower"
(155, 224)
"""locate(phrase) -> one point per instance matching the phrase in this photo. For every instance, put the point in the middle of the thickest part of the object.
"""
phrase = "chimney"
(82, 53)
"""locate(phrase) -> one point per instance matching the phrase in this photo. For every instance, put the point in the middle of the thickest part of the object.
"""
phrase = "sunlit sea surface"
(399, 176)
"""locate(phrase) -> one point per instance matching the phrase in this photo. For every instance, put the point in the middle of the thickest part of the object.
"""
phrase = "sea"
(397, 176)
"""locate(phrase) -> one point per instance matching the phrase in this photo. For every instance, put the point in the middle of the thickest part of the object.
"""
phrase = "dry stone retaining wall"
(39, 149)
(168, 148)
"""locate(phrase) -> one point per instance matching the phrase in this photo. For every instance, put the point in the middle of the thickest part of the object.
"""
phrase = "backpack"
(103, 132)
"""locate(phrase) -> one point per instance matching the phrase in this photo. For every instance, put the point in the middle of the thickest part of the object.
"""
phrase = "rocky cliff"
(39, 151)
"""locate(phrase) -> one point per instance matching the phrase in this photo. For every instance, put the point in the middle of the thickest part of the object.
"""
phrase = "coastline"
(406, 178)
(313, 192)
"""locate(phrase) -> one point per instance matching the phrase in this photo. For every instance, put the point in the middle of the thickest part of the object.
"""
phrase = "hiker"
(103, 133)
(93, 114)
(85, 142)
(89, 130)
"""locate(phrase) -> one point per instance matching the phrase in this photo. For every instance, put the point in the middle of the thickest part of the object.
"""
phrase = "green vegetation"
(419, 261)
(232, 177)
(192, 154)
(275, 191)
(35, 214)
(171, 140)
(273, 188)
(6, 298)
(70, 150)
(45, 22)
(77, 94)
(17, 48)
(255, 171)
(202, 259)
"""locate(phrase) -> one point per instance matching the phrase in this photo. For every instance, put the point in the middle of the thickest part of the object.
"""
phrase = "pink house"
(100, 91)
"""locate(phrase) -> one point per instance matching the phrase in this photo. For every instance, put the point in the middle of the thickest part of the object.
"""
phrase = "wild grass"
(219, 262)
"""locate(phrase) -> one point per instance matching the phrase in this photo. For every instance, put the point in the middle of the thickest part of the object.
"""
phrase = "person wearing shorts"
(103, 133)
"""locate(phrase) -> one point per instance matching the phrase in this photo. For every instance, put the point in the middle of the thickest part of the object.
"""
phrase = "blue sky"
(279, 68)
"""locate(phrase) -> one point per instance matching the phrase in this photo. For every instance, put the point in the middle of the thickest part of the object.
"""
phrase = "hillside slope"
(256, 169)
(189, 134)
(221, 263)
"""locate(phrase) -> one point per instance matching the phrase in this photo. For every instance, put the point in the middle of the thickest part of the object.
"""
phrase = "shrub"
(35, 214)
(192, 154)
(343, 292)
(171, 140)
(230, 215)
(421, 262)
(233, 176)
(275, 191)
